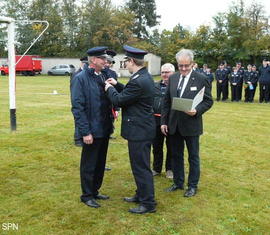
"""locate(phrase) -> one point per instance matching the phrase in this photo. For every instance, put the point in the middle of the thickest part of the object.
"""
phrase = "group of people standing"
(237, 77)
(147, 118)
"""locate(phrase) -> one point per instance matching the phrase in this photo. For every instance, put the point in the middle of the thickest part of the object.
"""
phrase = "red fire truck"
(29, 65)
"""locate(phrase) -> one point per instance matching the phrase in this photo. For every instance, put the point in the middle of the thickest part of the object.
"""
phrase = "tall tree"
(118, 32)
(146, 16)
(53, 42)
(70, 16)
(95, 14)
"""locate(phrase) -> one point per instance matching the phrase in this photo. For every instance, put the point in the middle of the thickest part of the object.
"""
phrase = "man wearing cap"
(185, 128)
(241, 71)
(77, 139)
(264, 82)
(92, 111)
(138, 125)
(222, 82)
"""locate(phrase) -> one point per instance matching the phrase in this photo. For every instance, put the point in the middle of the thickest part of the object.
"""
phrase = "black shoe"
(132, 199)
(107, 168)
(174, 188)
(102, 197)
(92, 203)
(142, 210)
(190, 192)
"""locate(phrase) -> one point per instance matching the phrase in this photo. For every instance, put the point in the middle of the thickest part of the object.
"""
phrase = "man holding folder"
(185, 126)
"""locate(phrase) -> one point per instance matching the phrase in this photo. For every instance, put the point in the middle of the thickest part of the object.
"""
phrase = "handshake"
(110, 82)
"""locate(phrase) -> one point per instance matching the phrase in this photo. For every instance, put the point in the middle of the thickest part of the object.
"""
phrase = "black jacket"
(136, 101)
(90, 106)
(187, 125)
(160, 90)
(264, 75)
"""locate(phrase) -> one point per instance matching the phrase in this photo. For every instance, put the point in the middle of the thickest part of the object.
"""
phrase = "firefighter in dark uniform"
(77, 138)
(264, 82)
(222, 82)
(138, 125)
(254, 81)
(241, 71)
(92, 111)
(250, 83)
(235, 81)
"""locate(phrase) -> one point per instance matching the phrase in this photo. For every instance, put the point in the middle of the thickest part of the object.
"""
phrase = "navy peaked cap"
(97, 51)
(134, 52)
(84, 59)
(111, 53)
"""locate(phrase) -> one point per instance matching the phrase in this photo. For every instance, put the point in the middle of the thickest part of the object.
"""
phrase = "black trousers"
(93, 159)
(235, 92)
(240, 89)
(177, 142)
(249, 94)
(158, 143)
(264, 93)
(139, 156)
(222, 88)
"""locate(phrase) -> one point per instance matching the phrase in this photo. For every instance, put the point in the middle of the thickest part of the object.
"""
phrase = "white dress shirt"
(185, 83)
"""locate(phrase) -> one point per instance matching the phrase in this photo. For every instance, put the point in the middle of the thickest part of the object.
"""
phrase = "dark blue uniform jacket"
(136, 100)
(264, 73)
(90, 106)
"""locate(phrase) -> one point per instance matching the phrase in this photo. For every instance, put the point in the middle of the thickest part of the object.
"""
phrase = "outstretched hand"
(107, 85)
(111, 81)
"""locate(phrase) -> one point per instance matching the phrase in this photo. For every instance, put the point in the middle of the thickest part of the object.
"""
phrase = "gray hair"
(184, 53)
(168, 66)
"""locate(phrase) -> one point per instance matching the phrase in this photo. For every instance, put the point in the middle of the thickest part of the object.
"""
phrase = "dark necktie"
(180, 87)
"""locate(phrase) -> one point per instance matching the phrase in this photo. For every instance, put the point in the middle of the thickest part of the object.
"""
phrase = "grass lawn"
(40, 184)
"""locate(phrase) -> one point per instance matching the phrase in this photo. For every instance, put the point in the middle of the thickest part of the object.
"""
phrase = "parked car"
(62, 69)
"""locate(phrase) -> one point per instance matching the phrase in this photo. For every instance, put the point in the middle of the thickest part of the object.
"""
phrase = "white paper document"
(183, 104)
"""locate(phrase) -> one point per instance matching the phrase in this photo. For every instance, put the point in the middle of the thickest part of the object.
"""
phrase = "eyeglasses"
(101, 57)
(184, 65)
(165, 72)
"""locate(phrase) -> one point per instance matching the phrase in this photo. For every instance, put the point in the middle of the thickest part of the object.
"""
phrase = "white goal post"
(12, 63)
(11, 60)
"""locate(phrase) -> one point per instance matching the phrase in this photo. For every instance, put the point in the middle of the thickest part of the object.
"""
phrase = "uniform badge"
(135, 76)
(193, 88)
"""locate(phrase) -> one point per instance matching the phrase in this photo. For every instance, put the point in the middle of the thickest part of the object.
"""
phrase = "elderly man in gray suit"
(185, 127)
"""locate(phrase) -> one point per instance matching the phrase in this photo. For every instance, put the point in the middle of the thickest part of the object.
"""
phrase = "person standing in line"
(160, 88)
(185, 127)
(241, 71)
(222, 82)
(93, 115)
(250, 83)
(138, 125)
(235, 81)
(264, 82)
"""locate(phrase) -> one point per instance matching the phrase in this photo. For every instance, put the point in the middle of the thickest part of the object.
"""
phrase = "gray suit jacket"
(187, 125)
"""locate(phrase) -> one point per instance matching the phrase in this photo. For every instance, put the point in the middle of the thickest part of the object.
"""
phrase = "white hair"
(168, 66)
(184, 53)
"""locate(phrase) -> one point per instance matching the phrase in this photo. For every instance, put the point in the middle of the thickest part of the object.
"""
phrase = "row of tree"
(240, 34)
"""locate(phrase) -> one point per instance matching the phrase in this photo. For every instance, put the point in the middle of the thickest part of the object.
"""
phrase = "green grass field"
(40, 185)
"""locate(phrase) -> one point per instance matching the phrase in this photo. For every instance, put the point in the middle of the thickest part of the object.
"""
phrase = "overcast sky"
(192, 13)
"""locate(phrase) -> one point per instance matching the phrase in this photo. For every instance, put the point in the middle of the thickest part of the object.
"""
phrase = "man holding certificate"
(188, 96)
